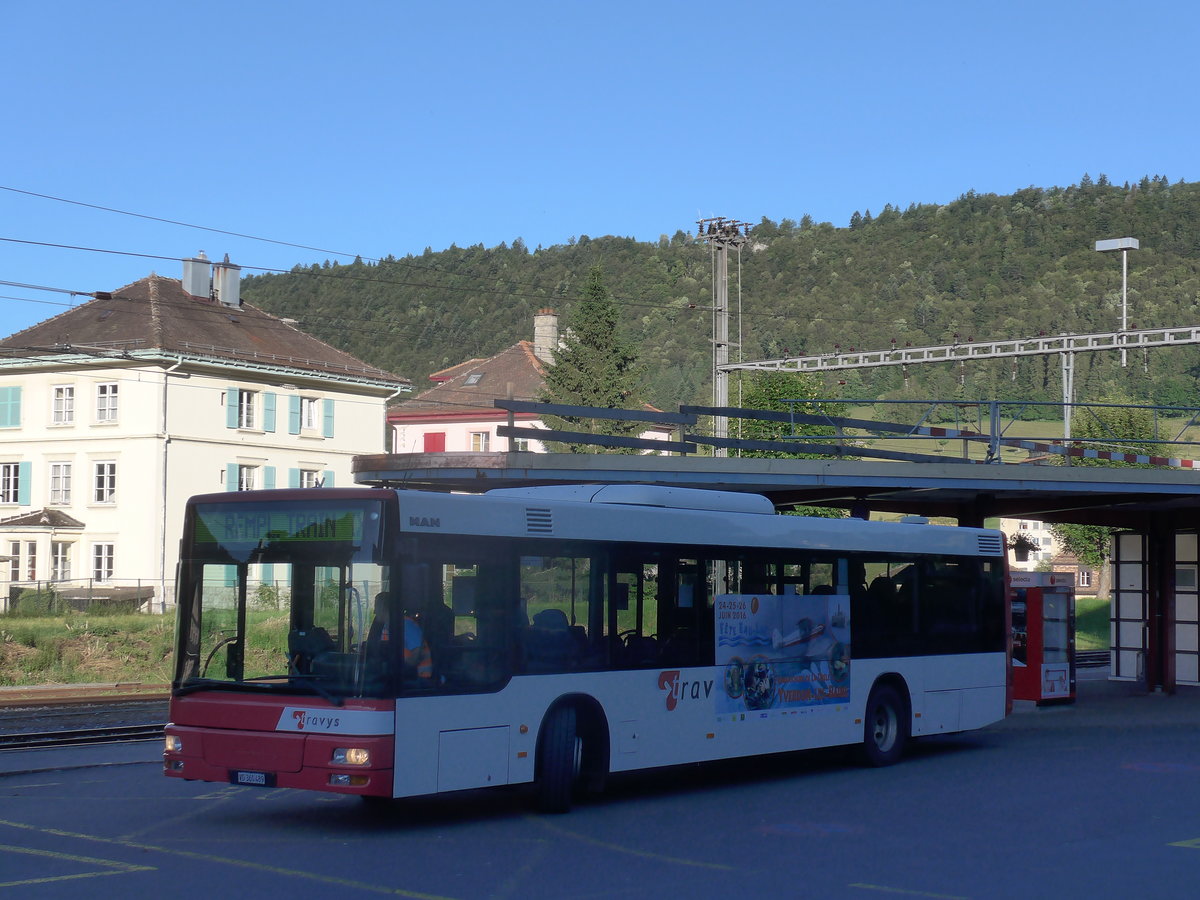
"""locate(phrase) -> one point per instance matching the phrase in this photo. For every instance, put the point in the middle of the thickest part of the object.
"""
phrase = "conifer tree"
(593, 366)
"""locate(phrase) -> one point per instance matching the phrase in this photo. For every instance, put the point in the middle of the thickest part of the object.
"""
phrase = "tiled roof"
(156, 314)
(474, 384)
(41, 518)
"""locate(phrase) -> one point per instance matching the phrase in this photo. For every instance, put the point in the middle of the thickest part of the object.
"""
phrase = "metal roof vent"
(538, 521)
(991, 545)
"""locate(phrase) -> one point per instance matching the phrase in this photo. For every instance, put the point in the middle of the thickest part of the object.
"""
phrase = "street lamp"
(1124, 244)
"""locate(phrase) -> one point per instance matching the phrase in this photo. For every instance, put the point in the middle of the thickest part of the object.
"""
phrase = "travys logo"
(304, 717)
(681, 689)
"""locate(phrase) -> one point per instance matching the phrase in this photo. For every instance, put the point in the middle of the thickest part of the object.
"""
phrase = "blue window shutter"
(293, 414)
(230, 575)
(231, 407)
(269, 477)
(10, 406)
(327, 478)
(268, 574)
(327, 419)
(24, 476)
(231, 474)
(293, 478)
(268, 411)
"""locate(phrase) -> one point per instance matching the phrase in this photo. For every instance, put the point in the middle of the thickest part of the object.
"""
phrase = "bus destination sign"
(223, 525)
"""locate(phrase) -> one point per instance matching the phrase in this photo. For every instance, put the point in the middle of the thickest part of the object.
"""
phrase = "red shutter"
(435, 442)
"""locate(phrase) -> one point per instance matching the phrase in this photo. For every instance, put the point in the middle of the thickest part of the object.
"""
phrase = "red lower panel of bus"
(234, 740)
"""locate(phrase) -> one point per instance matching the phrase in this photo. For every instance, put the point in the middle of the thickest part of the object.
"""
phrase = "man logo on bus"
(680, 689)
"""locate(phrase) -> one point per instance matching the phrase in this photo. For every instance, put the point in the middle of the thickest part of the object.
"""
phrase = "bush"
(33, 603)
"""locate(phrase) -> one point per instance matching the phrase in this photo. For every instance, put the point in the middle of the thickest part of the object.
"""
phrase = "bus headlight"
(352, 756)
(172, 744)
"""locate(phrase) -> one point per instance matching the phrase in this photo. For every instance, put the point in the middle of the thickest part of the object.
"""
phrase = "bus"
(395, 643)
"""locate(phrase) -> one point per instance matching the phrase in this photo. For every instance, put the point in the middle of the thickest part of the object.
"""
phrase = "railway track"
(40, 740)
(77, 715)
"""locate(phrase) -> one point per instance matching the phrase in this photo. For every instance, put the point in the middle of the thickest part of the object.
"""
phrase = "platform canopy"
(1122, 497)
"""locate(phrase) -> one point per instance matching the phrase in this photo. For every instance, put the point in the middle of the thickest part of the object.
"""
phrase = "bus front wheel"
(559, 761)
(885, 726)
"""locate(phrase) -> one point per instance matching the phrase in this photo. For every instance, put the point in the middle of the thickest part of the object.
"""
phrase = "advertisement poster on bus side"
(782, 653)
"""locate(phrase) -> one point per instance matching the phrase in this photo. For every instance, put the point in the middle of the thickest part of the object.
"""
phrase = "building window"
(102, 562)
(310, 478)
(106, 402)
(474, 378)
(105, 483)
(60, 561)
(60, 484)
(310, 413)
(1085, 578)
(520, 445)
(247, 478)
(63, 411)
(480, 441)
(14, 566)
(31, 560)
(246, 403)
(10, 482)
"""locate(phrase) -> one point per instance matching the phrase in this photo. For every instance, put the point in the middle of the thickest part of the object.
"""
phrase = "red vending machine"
(1043, 624)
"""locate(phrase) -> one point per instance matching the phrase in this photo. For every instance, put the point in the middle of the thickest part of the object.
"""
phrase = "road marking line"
(891, 890)
(1193, 844)
(229, 861)
(629, 850)
(112, 866)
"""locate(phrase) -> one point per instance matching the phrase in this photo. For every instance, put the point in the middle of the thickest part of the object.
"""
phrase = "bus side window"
(557, 599)
(469, 638)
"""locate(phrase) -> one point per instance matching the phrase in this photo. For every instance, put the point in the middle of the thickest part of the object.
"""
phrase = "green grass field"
(85, 649)
(1091, 623)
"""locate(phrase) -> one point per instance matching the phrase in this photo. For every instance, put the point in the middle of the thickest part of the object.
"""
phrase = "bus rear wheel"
(885, 726)
(560, 755)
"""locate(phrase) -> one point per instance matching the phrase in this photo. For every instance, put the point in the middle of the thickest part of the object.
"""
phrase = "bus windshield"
(281, 594)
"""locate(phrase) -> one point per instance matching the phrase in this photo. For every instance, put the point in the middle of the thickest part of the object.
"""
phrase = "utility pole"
(721, 234)
(1124, 245)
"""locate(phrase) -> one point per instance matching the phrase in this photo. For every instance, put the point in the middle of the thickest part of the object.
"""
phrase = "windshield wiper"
(261, 683)
(312, 683)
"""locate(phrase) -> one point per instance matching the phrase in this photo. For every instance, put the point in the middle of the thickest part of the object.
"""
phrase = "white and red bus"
(553, 635)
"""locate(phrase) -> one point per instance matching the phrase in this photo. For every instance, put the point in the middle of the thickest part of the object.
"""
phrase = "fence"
(87, 595)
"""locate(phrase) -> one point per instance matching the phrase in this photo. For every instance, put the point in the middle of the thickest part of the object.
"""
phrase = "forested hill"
(985, 267)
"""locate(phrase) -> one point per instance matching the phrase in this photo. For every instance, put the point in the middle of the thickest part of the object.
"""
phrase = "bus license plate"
(255, 779)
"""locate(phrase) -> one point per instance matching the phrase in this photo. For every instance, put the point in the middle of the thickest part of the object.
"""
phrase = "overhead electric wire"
(299, 270)
(124, 212)
(247, 237)
(342, 276)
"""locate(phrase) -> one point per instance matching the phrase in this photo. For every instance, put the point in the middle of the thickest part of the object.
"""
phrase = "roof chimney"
(227, 282)
(545, 335)
(197, 278)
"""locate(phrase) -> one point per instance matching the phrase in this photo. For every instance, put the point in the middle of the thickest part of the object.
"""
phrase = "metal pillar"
(721, 234)
(1068, 391)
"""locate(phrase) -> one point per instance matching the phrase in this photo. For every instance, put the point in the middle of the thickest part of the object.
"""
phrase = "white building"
(112, 414)
(1043, 545)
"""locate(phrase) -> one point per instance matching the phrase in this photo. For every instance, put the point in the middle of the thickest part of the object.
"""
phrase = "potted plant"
(1021, 545)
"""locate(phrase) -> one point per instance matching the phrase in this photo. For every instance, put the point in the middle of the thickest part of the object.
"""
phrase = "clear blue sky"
(380, 128)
